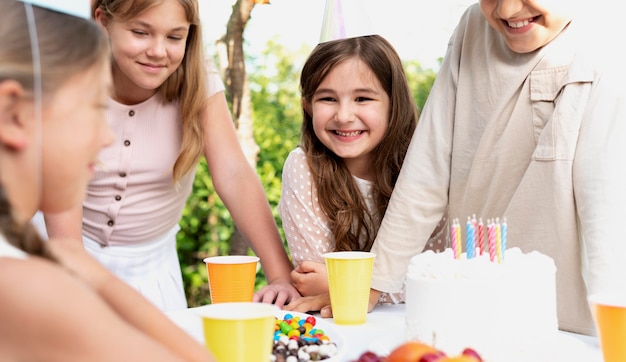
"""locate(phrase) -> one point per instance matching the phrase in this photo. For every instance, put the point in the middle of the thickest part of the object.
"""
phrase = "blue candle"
(470, 236)
(504, 232)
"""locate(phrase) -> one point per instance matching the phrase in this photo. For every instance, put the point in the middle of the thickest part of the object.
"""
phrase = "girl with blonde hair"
(167, 110)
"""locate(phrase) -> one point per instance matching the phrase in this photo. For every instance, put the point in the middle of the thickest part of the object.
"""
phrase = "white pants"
(152, 268)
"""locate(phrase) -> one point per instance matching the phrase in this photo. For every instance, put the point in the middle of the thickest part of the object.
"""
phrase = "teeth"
(518, 24)
(348, 134)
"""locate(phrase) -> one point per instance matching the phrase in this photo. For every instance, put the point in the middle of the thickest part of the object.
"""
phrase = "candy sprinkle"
(297, 339)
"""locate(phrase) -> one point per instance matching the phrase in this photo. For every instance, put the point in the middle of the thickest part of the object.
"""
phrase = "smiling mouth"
(151, 65)
(348, 134)
(520, 23)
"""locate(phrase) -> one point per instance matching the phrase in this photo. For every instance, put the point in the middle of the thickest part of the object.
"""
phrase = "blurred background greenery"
(206, 225)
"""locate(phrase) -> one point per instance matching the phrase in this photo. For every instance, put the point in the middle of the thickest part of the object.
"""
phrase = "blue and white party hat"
(79, 8)
(345, 19)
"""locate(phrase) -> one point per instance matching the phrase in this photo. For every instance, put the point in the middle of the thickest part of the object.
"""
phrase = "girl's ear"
(307, 107)
(102, 19)
(13, 130)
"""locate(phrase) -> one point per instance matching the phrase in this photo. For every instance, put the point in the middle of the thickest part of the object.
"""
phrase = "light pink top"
(134, 198)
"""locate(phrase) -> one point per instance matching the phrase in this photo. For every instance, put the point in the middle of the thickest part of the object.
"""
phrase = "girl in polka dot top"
(359, 115)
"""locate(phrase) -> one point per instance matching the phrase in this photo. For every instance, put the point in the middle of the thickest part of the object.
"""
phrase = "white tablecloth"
(383, 330)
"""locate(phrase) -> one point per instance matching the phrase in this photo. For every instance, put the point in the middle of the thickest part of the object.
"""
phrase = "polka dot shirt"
(305, 225)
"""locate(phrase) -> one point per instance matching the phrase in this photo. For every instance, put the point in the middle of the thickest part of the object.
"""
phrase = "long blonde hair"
(338, 195)
(187, 84)
(67, 45)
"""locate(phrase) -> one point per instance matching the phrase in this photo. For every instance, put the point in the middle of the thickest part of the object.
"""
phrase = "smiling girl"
(359, 115)
(168, 109)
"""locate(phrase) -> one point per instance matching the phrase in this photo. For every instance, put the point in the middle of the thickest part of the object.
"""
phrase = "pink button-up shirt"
(133, 199)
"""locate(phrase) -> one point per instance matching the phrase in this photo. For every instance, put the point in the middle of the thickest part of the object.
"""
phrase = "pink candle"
(453, 238)
(481, 236)
(491, 238)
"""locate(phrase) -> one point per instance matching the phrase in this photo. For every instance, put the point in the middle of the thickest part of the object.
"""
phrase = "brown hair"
(67, 45)
(339, 197)
(187, 84)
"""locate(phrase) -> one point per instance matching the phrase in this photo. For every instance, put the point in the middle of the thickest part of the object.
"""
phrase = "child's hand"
(310, 278)
(310, 304)
(321, 303)
(277, 292)
(374, 297)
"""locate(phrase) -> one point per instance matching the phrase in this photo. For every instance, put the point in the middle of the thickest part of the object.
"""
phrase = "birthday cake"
(495, 307)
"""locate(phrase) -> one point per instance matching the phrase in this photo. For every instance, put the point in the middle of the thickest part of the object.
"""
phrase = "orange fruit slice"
(410, 351)
(459, 359)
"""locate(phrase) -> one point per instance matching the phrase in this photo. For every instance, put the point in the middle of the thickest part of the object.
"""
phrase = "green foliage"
(206, 225)
(277, 114)
(420, 81)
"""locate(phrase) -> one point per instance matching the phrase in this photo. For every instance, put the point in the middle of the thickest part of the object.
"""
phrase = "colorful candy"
(297, 339)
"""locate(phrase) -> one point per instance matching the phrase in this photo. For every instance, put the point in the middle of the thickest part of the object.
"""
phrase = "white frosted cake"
(494, 308)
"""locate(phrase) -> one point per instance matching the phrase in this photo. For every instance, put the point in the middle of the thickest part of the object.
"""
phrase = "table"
(384, 323)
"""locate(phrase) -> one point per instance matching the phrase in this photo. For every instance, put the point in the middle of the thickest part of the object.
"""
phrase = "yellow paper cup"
(349, 278)
(609, 312)
(231, 277)
(239, 331)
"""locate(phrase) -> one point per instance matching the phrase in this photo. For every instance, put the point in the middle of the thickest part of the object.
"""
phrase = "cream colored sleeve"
(420, 197)
(600, 184)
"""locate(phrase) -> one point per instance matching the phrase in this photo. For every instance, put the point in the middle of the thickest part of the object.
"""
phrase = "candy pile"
(297, 340)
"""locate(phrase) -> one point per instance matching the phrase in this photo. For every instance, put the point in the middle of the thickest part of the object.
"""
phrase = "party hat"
(345, 19)
(80, 8)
